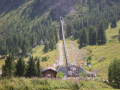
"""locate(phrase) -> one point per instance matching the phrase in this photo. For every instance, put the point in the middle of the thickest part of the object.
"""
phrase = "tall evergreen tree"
(69, 29)
(46, 47)
(56, 36)
(20, 67)
(114, 23)
(101, 34)
(119, 36)
(8, 69)
(25, 46)
(92, 36)
(31, 70)
(38, 67)
(52, 43)
(114, 73)
(83, 38)
(60, 33)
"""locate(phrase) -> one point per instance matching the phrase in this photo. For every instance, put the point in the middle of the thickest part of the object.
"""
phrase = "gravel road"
(61, 61)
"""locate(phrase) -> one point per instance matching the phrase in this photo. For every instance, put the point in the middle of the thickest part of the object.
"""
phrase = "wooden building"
(73, 71)
(49, 73)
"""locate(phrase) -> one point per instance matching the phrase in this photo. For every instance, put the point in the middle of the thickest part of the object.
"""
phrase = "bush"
(114, 73)
(83, 74)
(59, 75)
(44, 59)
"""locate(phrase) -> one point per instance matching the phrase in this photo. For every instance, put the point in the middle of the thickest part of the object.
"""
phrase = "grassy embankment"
(50, 84)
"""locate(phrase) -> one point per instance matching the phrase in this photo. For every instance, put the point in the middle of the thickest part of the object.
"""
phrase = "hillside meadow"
(51, 84)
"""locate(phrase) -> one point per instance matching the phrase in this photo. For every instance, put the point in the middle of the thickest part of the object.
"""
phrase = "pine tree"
(25, 46)
(33, 40)
(31, 70)
(60, 33)
(8, 68)
(38, 67)
(46, 47)
(89, 60)
(119, 36)
(90, 35)
(101, 34)
(52, 43)
(94, 37)
(56, 36)
(20, 67)
(83, 38)
(114, 23)
(69, 29)
(114, 73)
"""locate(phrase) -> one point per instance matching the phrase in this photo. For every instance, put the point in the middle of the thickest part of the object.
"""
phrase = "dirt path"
(75, 54)
(60, 46)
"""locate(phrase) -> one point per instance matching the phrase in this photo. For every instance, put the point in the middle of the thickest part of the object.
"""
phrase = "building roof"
(50, 68)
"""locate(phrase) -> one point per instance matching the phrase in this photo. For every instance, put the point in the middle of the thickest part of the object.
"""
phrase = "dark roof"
(62, 69)
(53, 69)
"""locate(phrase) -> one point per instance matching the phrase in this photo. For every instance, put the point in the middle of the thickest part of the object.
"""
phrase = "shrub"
(83, 74)
(114, 73)
(59, 75)
(44, 59)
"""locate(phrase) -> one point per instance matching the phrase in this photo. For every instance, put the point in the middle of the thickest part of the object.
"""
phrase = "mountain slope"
(26, 23)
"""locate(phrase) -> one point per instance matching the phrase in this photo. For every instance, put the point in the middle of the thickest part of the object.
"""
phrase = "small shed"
(73, 71)
(49, 73)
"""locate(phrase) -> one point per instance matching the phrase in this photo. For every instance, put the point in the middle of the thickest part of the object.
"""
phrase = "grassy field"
(51, 84)
(109, 51)
(53, 56)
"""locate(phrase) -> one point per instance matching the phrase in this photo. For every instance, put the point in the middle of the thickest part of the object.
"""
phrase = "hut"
(49, 73)
(73, 71)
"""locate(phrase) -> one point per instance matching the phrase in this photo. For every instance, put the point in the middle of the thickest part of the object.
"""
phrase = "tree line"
(91, 13)
(19, 38)
(21, 68)
(51, 45)
(93, 36)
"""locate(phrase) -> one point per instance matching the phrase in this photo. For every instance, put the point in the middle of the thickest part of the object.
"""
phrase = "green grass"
(50, 84)
(53, 55)
(110, 51)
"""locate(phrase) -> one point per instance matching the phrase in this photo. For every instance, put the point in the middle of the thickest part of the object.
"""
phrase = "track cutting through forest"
(61, 60)
(64, 44)
(65, 49)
